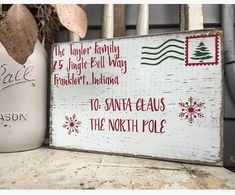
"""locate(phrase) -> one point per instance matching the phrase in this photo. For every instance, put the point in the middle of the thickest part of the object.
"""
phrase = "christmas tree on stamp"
(201, 53)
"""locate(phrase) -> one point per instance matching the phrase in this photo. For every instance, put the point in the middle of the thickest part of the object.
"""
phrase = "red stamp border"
(216, 36)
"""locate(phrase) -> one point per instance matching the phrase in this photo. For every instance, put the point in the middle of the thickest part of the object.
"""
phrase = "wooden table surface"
(46, 168)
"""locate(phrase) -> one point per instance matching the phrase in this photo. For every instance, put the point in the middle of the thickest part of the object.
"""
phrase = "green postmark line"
(152, 53)
(169, 51)
(153, 56)
(154, 64)
(169, 40)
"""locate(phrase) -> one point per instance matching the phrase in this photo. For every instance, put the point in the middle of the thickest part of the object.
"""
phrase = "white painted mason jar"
(23, 100)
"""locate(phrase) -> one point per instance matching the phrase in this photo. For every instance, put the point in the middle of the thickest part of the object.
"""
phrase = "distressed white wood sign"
(157, 96)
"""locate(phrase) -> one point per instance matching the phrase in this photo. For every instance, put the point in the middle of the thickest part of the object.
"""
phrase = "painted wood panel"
(157, 96)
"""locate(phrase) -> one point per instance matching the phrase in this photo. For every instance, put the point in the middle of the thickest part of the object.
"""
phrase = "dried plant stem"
(43, 37)
(43, 41)
(108, 18)
(143, 20)
(73, 37)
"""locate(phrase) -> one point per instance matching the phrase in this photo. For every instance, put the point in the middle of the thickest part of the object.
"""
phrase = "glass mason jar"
(23, 101)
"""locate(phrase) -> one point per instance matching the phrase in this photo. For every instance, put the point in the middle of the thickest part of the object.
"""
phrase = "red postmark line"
(216, 62)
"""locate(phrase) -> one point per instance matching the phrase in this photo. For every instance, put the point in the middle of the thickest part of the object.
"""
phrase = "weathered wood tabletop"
(46, 168)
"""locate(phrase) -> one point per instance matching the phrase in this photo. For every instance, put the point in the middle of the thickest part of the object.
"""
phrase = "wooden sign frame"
(155, 96)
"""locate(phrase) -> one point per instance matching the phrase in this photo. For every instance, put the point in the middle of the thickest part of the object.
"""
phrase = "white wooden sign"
(157, 96)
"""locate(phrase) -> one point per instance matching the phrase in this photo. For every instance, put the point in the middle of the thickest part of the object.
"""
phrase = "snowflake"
(191, 110)
(71, 124)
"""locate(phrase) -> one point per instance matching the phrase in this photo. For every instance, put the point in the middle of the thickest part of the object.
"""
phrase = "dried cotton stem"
(73, 37)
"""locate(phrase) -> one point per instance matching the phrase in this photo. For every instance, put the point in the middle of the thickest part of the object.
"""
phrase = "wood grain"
(183, 17)
(119, 20)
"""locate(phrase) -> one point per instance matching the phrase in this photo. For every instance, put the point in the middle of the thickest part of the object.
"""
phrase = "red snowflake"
(191, 110)
(71, 124)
